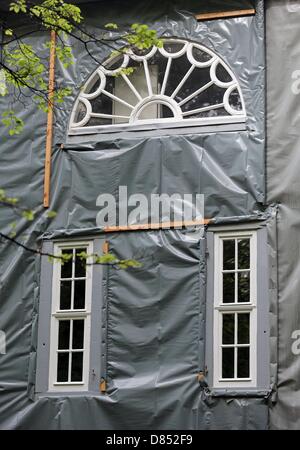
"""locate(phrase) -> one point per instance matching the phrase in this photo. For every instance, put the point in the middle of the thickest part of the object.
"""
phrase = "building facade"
(203, 334)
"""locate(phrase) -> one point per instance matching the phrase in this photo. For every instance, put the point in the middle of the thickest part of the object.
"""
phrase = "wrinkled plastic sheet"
(152, 359)
(189, 5)
(283, 188)
(228, 168)
(219, 176)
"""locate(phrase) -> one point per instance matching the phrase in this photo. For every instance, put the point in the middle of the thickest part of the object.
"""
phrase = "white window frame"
(117, 108)
(57, 314)
(141, 102)
(221, 308)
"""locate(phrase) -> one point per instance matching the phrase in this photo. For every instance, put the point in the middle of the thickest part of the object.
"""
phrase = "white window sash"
(141, 85)
(233, 308)
(142, 88)
(57, 314)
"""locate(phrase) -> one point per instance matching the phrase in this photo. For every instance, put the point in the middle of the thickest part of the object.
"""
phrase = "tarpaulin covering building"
(203, 334)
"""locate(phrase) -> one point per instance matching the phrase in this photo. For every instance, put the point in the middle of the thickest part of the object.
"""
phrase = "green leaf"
(125, 71)
(28, 214)
(12, 122)
(113, 26)
(12, 200)
(106, 259)
(65, 257)
(122, 266)
(126, 263)
(18, 6)
(83, 256)
(51, 214)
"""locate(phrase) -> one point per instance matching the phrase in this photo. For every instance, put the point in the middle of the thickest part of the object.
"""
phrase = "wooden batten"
(105, 247)
(49, 136)
(102, 386)
(157, 226)
(225, 14)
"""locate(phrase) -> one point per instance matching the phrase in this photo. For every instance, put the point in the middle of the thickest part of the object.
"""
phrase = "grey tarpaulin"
(158, 309)
(283, 62)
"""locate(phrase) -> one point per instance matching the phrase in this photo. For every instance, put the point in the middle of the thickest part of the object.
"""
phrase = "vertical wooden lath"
(102, 386)
(105, 247)
(49, 137)
(225, 14)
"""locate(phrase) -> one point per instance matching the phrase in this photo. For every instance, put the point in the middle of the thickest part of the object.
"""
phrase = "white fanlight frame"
(180, 118)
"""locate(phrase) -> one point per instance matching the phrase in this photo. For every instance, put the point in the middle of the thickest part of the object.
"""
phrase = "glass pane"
(228, 254)
(235, 100)
(243, 362)
(78, 327)
(228, 287)
(114, 63)
(200, 55)
(211, 113)
(228, 328)
(80, 112)
(151, 111)
(65, 294)
(102, 104)
(93, 85)
(222, 74)
(79, 294)
(243, 328)
(80, 264)
(172, 47)
(165, 111)
(178, 71)
(62, 366)
(64, 334)
(122, 90)
(94, 121)
(66, 268)
(213, 95)
(199, 77)
(244, 254)
(77, 363)
(244, 287)
(228, 362)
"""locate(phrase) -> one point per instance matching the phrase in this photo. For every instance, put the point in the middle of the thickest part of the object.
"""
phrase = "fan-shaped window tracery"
(182, 82)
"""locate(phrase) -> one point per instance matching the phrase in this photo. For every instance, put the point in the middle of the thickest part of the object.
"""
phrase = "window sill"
(240, 392)
(237, 121)
(59, 394)
(62, 388)
(102, 136)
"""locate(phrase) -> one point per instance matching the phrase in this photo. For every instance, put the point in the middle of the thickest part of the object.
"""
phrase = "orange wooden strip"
(157, 226)
(200, 377)
(102, 385)
(47, 176)
(105, 247)
(225, 14)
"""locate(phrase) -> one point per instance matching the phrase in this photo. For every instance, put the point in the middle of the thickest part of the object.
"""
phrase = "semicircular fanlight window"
(182, 82)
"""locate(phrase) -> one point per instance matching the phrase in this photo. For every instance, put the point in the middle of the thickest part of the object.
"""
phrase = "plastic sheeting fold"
(283, 187)
(155, 315)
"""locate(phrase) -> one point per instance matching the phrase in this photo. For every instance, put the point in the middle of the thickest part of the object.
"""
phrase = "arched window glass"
(182, 83)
